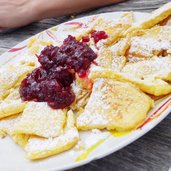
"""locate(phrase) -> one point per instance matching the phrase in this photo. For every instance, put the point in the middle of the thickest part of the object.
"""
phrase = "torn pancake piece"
(38, 148)
(152, 85)
(12, 104)
(108, 59)
(82, 95)
(107, 32)
(156, 17)
(152, 76)
(11, 76)
(157, 67)
(41, 120)
(154, 41)
(7, 126)
(114, 28)
(114, 105)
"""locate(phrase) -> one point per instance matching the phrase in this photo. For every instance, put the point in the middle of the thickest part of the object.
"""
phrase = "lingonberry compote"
(51, 82)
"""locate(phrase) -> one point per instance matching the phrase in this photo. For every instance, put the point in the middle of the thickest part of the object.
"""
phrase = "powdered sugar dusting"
(154, 67)
(40, 145)
(146, 46)
(7, 125)
(44, 121)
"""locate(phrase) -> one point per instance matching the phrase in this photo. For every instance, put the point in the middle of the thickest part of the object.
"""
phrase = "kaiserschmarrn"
(103, 76)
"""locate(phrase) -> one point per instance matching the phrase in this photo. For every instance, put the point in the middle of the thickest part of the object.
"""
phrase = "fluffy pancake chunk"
(7, 126)
(114, 105)
(38, 148)
(20, 139)
(154, 41)
(81, 96)
(105, 58)
(108, 59)
(152, 75)
(12, 104)
(11, 76)
(156, 17)
(115, 29)
(113, 56)
(158, 67)
(41, 120)
(153, 85)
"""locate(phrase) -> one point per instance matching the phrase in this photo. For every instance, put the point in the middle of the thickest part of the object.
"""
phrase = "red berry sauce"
(98, 35)
(51, 82)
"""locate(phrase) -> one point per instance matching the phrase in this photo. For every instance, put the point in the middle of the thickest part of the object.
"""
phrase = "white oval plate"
(98, 143)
